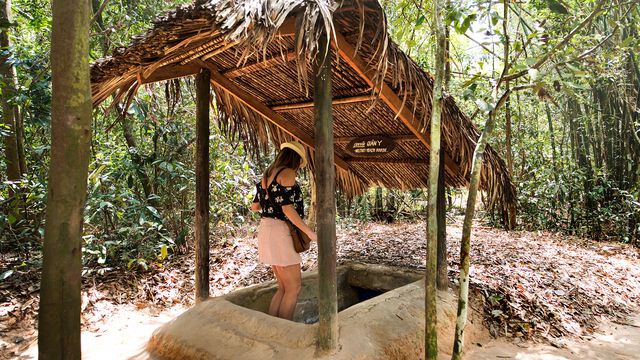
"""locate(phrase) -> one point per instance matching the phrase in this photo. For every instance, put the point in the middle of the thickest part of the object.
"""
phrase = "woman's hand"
(313, 236)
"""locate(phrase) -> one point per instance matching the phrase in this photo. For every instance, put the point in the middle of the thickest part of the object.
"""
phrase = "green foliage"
(612, 213)
(139, 208)
(19, 233)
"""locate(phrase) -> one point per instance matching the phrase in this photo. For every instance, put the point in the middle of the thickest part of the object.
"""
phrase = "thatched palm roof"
(260, 53)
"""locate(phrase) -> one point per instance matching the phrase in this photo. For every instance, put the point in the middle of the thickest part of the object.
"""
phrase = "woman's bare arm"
(293, 216)
(288, 178)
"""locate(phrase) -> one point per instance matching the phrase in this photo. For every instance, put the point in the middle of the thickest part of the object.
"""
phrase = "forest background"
(571, 139)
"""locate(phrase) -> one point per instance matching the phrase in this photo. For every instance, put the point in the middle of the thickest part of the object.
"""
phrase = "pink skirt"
(275, 246)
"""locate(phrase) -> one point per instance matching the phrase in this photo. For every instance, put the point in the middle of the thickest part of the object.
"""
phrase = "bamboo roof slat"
(396, 138)
(336, 101)
(261, 65)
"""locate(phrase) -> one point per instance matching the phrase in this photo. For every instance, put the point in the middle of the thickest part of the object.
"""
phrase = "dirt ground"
(124, 336)
(535, 289)
(612, 341)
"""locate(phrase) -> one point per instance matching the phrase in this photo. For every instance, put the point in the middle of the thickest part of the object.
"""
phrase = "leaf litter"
(529, 285)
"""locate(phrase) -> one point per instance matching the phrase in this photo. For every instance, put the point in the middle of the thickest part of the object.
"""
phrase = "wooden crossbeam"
(221, 81)
(288, 27)
(397, 138)
(309, 104)
(348, 54)
(386, 161)
(168, 72)
(261, 65)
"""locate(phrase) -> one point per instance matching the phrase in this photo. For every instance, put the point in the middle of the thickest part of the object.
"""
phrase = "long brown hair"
(286, 158)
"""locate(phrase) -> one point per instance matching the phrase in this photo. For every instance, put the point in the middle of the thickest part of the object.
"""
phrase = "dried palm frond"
(229, 33)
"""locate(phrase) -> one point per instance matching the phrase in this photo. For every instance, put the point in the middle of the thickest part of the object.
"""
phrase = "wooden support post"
(326, 202)
(203, 91)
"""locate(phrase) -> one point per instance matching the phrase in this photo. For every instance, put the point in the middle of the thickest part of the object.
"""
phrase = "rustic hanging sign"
(372, 145)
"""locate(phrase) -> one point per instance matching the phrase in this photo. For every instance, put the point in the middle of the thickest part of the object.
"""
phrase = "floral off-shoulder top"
(275, 196)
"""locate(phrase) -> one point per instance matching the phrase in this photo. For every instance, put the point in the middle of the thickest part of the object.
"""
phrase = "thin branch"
(482, 46)
(562, 43)
(97, 14)
(525, 44)
(590, 51)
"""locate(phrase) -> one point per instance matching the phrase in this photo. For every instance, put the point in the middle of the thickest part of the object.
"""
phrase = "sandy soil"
(125, 334)
(612, 341)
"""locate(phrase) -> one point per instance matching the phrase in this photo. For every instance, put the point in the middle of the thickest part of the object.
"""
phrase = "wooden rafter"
(261, 65)
(170, 58)
(309, 104)
(288, 27)
(397, 138)
(349, 55)
(227, 85)
(168, 72)
(375, 160)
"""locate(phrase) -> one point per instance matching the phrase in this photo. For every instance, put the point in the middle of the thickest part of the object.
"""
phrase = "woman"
(278, 198)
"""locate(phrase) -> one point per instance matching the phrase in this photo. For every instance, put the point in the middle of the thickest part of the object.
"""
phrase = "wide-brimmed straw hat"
(299, 149)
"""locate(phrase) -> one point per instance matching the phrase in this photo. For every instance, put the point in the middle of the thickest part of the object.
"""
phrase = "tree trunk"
(442, 281)
(507, 107)
(391, 202)
(507, 120)
(474, 183)
(431, 320)
(553, 143)
(521, 133)
(378, 204)
(8, 83)
(59, 316)
(134, 153)
(97, 17)
(443, 278)
(465, 243)
(326, 216)
(203, 93)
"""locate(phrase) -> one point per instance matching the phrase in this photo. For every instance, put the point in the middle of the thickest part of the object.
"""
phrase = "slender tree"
(59, 317)
(431, 333)
(507, 107)
(8, 82)
(442, 280)
(476, 167)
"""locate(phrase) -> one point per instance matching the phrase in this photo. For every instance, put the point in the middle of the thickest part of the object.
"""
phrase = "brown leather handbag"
(301, 242)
